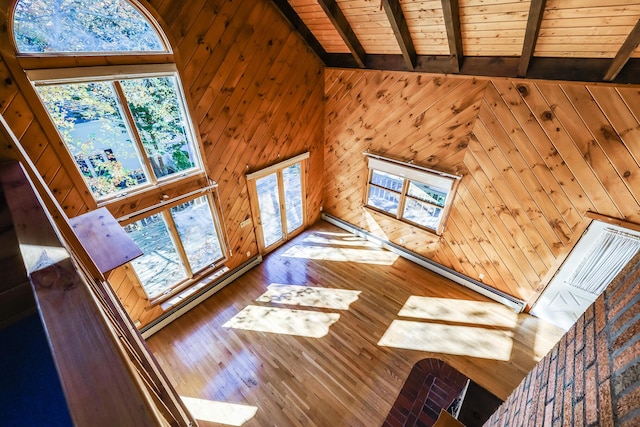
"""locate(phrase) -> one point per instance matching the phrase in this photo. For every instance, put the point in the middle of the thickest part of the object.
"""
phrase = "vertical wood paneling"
(257, 95)
(535, 157)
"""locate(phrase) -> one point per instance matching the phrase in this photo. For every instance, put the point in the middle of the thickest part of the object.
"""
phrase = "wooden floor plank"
(350, 375)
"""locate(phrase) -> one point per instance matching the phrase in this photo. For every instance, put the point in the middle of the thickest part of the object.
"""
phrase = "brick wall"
(431, 386)
(592, 376)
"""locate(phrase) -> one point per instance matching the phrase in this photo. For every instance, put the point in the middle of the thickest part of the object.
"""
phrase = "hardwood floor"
(345, 334)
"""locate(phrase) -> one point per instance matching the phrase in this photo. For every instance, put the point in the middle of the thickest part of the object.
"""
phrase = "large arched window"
(124, 122)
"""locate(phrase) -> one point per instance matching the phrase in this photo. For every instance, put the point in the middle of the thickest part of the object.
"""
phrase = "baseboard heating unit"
(516, 304)
(197, 297)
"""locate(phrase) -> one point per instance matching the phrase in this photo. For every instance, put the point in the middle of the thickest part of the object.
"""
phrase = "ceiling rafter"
(536, 10)
(341, 24)
(451, 12)
(290, 15)
(624, 53)
(400, 29)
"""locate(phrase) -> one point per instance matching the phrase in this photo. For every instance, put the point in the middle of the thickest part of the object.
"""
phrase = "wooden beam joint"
(341, 24)
(536, 10)
(624, 53)
(400, 29)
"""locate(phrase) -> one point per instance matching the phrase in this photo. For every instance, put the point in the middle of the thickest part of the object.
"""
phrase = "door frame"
(255, 206)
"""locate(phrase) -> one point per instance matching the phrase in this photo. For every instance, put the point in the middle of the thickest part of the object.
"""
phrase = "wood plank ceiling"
(586, 40)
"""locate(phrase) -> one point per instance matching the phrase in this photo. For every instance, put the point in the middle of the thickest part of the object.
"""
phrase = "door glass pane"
(161, 123)
(159, 268)
(427, 193)
(383, 199)
(91, 125)
(422, 213)
(293, 196)
(269, 203)
(197, 232)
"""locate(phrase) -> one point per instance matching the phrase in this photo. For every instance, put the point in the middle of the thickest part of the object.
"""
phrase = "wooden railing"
(108, 375)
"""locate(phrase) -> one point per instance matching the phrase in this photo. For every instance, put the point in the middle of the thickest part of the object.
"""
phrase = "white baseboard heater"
(197, 297)
(516, 304)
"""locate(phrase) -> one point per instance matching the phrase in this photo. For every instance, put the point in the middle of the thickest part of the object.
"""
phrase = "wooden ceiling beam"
(536, 10)
(400, 29)
(624, 53)
(290, 15)
(341, 24)
(451, 12)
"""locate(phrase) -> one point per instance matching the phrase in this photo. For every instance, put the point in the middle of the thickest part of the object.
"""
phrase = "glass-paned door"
(270, 213)
(277, 203)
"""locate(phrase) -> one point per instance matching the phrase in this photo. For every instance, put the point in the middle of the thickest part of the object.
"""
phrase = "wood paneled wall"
(536, 156)
(255, 92)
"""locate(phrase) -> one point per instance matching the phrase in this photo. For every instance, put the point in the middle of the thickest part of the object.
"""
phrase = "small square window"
(413, 194)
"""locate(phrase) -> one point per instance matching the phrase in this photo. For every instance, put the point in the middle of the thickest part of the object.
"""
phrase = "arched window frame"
(29, 68)
(66, 66)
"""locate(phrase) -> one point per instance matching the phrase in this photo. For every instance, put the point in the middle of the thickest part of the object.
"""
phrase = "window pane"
(269, 202)
(161, 122)
(387, 180)
(422, 213)
(293, 196)
(83, 26)
(383, 199)
(197, 232)
(427, 193)
(160, 268)
(91, 125)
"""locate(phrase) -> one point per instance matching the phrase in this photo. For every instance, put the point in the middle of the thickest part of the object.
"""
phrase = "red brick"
(591, 395)
(627, 334)
(604, 372)
(601, 315)
(551, 384)
(588, 314)
(548, 414)
(628, 402)
(579, 376)
(540, 404)
(604, 400)
(590, 347)
(620, 285)
(570, 360)
(578, 414)
(579, 328)
(630, 353)
(633, 422)
(567, 405)
(625, 293)
(558, 401)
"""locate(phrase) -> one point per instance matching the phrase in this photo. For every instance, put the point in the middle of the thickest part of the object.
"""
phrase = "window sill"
(187, 289)
(404, 221)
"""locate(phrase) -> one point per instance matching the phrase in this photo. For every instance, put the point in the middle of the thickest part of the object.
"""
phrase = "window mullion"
(134, 131)
(171, 225)
(403, 198)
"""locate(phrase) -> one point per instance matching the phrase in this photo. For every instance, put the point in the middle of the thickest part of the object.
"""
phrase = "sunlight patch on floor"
(364, 256)
(340, 240)
(449, 339)
(309, 296)
(310, 324)
(462, 311)
(232, 414)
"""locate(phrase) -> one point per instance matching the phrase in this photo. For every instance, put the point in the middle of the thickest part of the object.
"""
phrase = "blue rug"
(30, 391)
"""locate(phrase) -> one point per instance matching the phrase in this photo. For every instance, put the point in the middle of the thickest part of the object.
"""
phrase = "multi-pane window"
(178, 243)
(417, 195)
(124, 133)
(123, 122)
